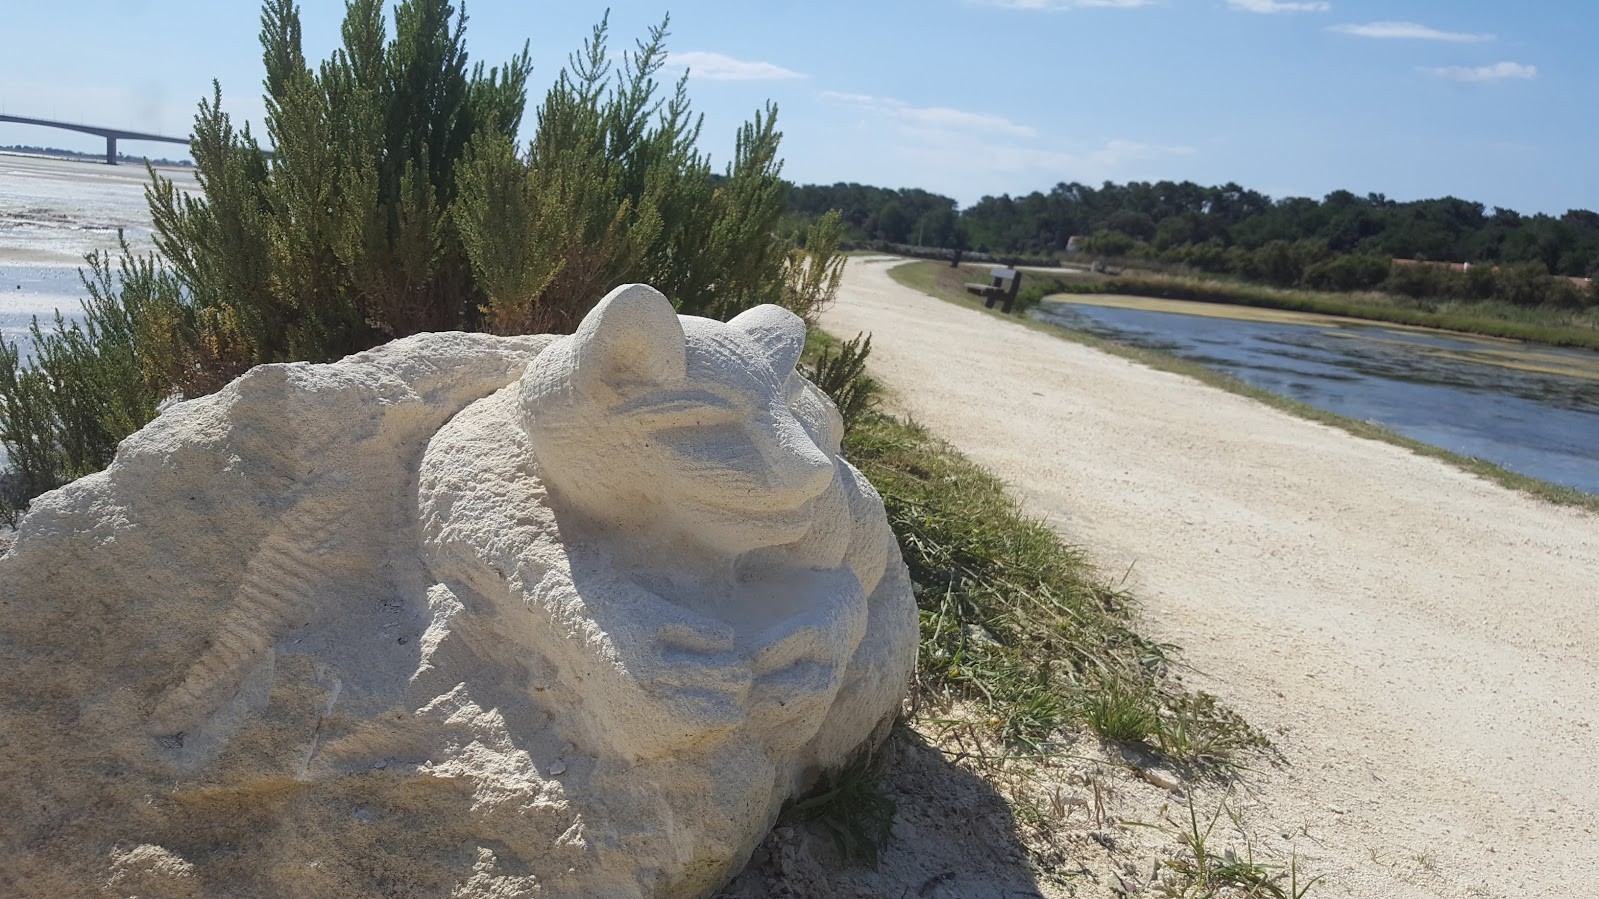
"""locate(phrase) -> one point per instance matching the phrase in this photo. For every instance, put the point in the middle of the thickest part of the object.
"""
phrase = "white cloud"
(1276, 6)
(968, 153)
(936, 117)
(1497, 72)
(717, 67)
(1408, 31)
(1059, 5)
(1120, 152)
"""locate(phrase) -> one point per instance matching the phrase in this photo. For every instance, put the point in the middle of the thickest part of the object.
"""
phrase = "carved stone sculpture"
(462, 616)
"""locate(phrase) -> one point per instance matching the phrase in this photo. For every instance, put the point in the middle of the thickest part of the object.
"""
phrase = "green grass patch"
(946, 282)
(850, 807)
(1490, 318)
(1206, 872)
(1014, 622)
(917, 274)
(1019, 625)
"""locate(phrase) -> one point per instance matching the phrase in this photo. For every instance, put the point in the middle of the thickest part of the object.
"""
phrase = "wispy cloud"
(1499, 71)
(982, 151)
(1060, 5)
(1408, 31)
(1116, 153)
(1276, 6)
(718, 67)
(969, 160)
(939, 117)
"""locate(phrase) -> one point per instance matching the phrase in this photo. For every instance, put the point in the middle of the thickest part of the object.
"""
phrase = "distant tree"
(1348, 272)
(1205, 227)
(939, 228)
(1174, 231)
(1415, 280)
(892, 223)
(1525, 284)
(1481, 282)
(1135, 224)
(1109, 243)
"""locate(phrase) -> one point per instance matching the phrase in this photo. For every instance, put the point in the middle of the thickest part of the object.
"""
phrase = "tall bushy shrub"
(394, 199)
(341, 236)
(613, 189)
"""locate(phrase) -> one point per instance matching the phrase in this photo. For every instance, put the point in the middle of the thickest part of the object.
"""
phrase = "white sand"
(1421, 644)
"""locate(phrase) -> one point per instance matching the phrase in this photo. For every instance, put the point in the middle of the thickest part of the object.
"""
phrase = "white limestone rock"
(462, 616)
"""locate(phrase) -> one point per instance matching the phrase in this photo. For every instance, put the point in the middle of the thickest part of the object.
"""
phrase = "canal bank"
(1528, 408)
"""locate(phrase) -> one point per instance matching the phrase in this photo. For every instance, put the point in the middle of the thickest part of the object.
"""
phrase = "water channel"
(1529, 408)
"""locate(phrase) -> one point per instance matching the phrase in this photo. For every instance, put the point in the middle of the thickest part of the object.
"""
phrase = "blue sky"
(1489, 101)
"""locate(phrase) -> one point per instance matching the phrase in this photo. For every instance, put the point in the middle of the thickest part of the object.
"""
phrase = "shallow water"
(53, 213)
(1531, 409)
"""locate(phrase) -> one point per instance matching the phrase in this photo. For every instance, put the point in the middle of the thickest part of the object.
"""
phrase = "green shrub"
(62, 416)
(1415, 280)
(840, 372)
(1347, 273)
(1035, 288)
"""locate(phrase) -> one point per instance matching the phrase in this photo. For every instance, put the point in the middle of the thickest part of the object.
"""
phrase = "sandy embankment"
(1422, 645)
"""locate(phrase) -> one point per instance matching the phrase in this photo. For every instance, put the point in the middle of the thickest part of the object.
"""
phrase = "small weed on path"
(1206, 871)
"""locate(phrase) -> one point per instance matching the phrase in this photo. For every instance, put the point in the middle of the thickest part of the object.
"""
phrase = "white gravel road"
(1422, 645)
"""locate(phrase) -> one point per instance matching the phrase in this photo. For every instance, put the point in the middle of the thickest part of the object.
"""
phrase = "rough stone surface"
(462, 616)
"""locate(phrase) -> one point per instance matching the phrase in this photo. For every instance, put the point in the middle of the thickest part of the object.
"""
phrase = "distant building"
(1074, 244)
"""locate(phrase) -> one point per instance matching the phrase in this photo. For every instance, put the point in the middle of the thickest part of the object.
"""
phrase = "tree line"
(1340, 242)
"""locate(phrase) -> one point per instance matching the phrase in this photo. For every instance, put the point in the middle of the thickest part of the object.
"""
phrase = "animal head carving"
(684, 426)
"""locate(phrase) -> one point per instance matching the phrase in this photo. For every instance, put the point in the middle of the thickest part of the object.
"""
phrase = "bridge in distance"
(111, 135)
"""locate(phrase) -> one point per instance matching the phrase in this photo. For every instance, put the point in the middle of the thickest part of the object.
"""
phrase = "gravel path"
(1422, 645)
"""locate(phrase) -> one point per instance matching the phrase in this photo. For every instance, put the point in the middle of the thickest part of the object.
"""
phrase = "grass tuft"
(849, 804)
(1203, 872)
(1124, 712)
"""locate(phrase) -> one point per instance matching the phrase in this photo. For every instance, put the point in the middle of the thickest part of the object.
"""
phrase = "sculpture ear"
(631, 336)
(780, 333)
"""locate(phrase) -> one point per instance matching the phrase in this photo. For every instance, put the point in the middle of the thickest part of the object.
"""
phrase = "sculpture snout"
(801, 469)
